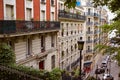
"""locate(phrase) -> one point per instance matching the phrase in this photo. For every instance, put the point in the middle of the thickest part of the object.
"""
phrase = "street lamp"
(80, 47)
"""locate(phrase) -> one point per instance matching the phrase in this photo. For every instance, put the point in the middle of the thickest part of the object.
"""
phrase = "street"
(114, 69)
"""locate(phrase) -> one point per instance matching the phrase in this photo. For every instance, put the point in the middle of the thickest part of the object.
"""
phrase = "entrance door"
(41, 65)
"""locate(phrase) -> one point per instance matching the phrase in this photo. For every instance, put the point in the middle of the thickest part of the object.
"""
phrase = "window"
(89, 11)
(52, 2)
(67, 29)
(53, 61)
(89, 38)
(71, 48)
(80, 38)
(62, 55)
(88, 47)
(29, 46)
(67, 51)
(52, 40)
(9, 12)
(89, 29)
(29, 13)
(43, 15)
(42, 1)
(89, 20)
(42, 43)
(52, 16)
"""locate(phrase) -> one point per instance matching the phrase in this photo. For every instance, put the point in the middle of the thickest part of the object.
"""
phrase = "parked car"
(107, 77)
(104, 64)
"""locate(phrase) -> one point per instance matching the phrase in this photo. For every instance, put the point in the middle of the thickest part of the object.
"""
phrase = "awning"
(87, 63)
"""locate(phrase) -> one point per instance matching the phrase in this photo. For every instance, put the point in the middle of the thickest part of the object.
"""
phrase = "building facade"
(92, 34)
(30, 27)
(72, 26)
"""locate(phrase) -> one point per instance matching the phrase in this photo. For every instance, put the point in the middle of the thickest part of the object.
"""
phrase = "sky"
(110, 15)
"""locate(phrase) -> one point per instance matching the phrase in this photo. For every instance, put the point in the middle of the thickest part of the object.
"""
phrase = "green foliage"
(7, 55)
(55, 74)
(70, 3)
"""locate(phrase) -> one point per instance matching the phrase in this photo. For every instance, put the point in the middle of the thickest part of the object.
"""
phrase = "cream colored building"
(72, 26)
(92, 34)
(31, 29)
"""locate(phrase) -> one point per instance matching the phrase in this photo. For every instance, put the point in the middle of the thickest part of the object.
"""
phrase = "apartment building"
(72, 26)
(30, 27)
(92, 34)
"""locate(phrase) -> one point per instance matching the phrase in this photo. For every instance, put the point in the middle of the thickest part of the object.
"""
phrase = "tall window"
(88, 47)
(89, 29)
(89, 20)
(9, 12)
(52, 16)
(52, 2)
(89, 38)
(53, 61)
(29, 46)
(62, 54)
(67, 28)
(29, 13)
(89, 11)
(52, 40)
(43, 15)
(42, 43)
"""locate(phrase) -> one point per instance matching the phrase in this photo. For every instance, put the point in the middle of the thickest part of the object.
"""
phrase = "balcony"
(89, 41)
(87, 51)
(64, 14)
(96, 24)
(96, 32)
(96, 15)
(17, 27)
(96, 40)
(89, 32)
(89, 14)
(89, 23)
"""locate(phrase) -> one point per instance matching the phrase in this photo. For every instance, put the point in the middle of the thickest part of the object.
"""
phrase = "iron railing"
(89, 14)
(64, 14)
(88, 50)
(96, 15)
(15, 26)
(96, 24)
(89, 32)
(89, 23)
(89, 41)
(96, 32)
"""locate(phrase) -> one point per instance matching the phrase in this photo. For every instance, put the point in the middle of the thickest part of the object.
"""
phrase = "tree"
(7, 55)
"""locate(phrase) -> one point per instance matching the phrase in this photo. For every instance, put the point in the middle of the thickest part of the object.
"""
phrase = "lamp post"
(80, 47)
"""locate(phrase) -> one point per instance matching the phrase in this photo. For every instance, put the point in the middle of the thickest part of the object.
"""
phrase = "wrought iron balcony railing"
(96, 15)
(89, 41)
(95, 40)
(89, 23)
(89, 32)
(64, 14)
(89, 14)
(87, 51)
(96, 24)
(14, 26)
(96, 32)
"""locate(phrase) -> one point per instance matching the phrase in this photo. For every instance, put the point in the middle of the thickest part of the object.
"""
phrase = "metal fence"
(16, 26)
